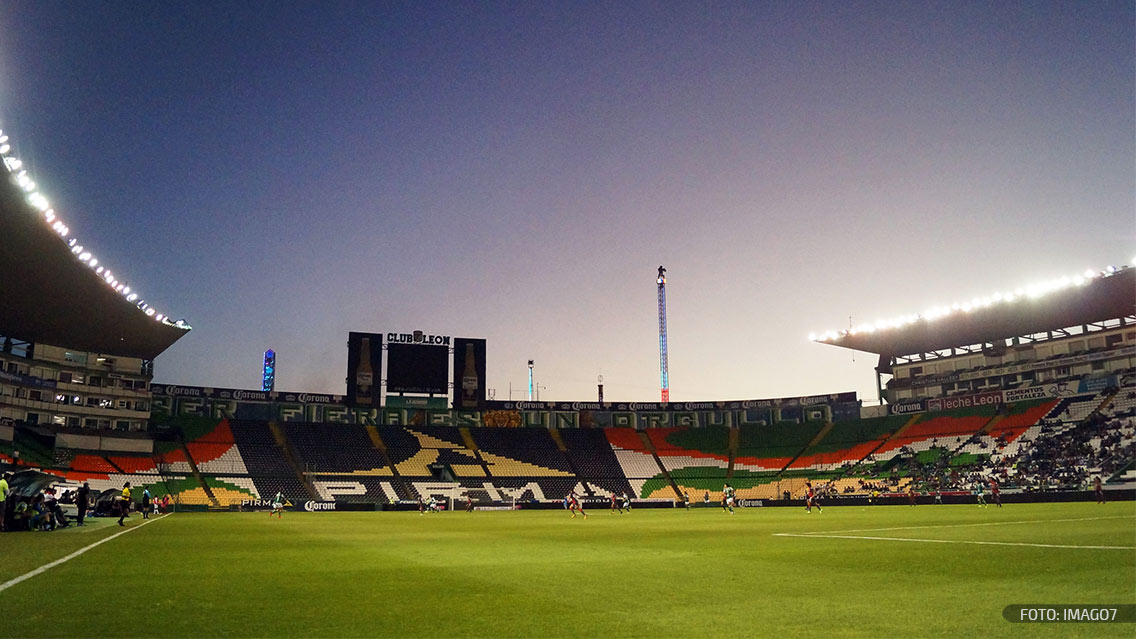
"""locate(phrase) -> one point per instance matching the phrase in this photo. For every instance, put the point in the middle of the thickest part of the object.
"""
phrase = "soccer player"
(4, 498)
(574, 505)
(728, 498)
(145, 503)
(910, 495)
(615, 505)
(686, 500)
(1098, 489)
(421, 506)
(468, 503)
(978, 492)
(811, 497)
(995, 492)
(277, 505)
(627, 502)
(124, 500)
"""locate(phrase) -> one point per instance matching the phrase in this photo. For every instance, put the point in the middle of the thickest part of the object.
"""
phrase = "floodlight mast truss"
(664, 376)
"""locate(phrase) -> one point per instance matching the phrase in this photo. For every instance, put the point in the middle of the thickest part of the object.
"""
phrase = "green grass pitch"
(651, 573)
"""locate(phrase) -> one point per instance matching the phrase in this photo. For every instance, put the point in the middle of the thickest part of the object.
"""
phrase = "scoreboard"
(416, 363)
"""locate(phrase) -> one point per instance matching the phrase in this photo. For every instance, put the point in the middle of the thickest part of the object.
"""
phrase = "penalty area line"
(44, 568)
(955, 541)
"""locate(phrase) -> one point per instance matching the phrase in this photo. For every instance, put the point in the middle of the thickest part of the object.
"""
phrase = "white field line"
(954, 541)
(935, 526)
(44, 568)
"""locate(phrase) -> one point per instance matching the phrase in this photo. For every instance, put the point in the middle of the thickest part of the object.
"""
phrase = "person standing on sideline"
(145, 503)
(3, 497)
(124, 500)
(1098, 489)
(82, 500)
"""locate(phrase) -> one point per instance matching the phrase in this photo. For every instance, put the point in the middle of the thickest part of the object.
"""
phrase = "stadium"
(1027, 399)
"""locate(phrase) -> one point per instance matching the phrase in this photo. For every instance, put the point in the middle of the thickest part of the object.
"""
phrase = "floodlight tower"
(530, 380)
(664, 381)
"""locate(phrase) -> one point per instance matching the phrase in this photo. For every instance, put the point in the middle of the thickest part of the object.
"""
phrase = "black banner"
(783, 402)
(364, 364)
(469, 373)
(413, 368)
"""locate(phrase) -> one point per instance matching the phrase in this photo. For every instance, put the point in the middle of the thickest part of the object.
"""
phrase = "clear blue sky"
(281, 173)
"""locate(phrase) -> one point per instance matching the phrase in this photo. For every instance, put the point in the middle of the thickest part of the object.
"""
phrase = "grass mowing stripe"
(988, 523)
(44, 568)
(955, 541)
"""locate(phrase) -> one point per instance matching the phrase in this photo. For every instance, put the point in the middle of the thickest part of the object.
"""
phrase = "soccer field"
(849, 571)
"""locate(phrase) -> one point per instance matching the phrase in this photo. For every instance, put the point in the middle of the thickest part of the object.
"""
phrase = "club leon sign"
(418, 337)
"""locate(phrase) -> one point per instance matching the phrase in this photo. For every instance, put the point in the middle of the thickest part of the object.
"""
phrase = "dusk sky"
(282, 173)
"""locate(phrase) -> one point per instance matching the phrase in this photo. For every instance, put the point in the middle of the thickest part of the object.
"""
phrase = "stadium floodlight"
(95, 262)
(85, 256)
(4, 148)
(3, 138)
(99, 270)
(131, 297)
(150, 312)
(126, 291)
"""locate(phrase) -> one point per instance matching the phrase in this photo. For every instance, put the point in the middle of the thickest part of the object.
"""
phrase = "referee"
(125, 503)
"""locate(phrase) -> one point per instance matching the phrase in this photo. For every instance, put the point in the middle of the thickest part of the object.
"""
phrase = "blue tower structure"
(268, 381)
(664, 376)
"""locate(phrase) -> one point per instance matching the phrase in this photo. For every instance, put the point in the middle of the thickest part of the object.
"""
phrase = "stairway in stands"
(396, 482)
(197, 474)
(663, 469)
(813, 442)
(290, 455)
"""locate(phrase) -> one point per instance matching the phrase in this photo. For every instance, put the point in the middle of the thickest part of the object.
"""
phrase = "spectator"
(82, 500)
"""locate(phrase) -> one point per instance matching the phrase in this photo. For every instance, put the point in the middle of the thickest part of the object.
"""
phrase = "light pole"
(530, 380)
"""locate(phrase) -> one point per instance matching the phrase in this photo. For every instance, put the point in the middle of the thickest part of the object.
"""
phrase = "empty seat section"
(335, 449)
(849, 441)
(594, 460)
(949, 429)
(772, 446)
(521, 452)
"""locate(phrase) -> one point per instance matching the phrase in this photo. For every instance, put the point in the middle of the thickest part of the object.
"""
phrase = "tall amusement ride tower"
(664, 382)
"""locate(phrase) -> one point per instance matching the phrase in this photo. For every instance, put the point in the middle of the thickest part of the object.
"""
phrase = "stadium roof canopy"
(1107, 296)
(48, 295)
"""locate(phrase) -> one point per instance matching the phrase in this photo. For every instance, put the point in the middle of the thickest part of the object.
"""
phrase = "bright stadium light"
(4, 148)
(85, 256)
(95, 262)
(131, 297)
